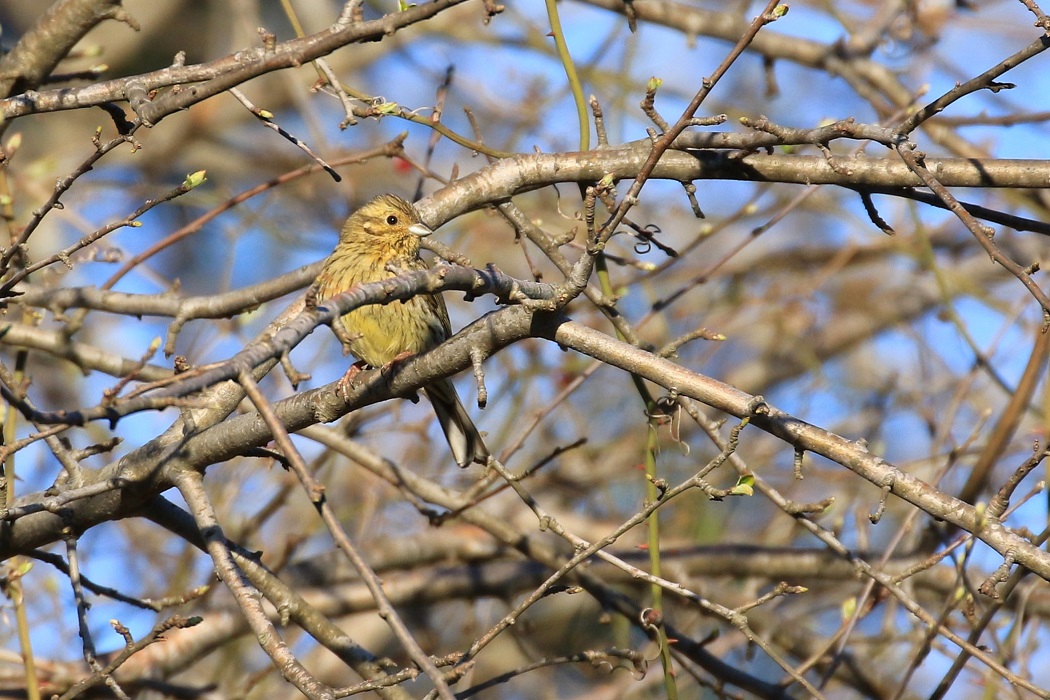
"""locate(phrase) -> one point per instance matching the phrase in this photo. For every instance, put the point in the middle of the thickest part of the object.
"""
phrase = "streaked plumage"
(385, 233)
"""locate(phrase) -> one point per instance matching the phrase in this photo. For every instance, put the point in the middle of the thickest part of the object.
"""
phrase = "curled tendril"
(646, 235)
(664, 407)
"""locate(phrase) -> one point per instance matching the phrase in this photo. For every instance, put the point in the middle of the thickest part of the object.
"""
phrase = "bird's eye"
(391, 220)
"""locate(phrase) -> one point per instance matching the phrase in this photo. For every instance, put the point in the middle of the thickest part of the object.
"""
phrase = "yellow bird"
(382, 234)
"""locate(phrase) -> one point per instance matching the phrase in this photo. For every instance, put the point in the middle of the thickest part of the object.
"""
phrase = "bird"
(377, 240)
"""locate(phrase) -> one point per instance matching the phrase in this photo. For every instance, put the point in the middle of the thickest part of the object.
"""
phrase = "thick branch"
(40, 49)
(217, 76)
(525, 173)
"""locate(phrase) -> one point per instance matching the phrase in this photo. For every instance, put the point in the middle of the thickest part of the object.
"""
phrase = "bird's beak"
(420, 230)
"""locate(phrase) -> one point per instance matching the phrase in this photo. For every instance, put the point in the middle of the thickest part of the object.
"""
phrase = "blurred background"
(915, 343)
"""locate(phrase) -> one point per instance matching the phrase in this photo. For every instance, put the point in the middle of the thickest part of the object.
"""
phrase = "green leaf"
(744, 486)
(195, 179)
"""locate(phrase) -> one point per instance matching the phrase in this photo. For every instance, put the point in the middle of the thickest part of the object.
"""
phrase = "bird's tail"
(462, 435)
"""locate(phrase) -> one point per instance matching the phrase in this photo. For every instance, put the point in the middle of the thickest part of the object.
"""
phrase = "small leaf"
(195, 179)
(744, 486)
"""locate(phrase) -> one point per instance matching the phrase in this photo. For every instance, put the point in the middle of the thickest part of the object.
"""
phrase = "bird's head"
(388, 224)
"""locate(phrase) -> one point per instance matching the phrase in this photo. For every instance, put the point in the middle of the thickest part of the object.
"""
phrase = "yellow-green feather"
(370, 244)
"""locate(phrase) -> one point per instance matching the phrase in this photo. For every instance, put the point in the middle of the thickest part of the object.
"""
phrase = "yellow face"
(387, 226)
(378, 241)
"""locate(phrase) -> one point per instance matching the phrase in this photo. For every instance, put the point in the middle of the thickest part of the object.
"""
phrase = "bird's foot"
(400, 357)
(346, 384)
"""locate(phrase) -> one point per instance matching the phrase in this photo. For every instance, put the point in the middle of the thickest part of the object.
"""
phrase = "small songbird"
(381, 236)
